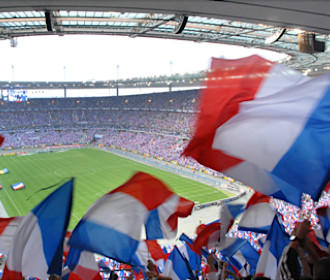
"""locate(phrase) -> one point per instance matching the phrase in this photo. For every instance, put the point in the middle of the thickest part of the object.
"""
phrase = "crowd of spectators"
(154, 125)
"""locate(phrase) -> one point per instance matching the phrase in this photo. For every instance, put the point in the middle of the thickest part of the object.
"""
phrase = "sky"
(92, 57)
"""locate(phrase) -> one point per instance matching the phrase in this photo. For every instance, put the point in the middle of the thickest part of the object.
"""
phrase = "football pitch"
(96, 172)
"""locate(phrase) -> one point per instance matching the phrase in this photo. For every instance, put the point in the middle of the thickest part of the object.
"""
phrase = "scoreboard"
(14, 95)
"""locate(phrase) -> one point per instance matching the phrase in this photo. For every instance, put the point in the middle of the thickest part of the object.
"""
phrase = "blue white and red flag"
(265, 125)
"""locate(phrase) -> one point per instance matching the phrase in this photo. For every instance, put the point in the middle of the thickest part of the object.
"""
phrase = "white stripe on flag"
(119, 204)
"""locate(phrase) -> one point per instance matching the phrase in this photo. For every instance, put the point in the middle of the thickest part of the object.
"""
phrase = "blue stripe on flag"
(233, 248)
(94, 237)
(153, 226)
(279, 239)
(251, 256)
(307, 163)
(180, 265)
(53, 215)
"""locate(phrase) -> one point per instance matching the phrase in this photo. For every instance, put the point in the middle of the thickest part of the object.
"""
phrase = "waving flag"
(323, 214)
(17, 186)
(8, 229)
(245, 259)
(149, 250)
(208, 236)
(265, 125)
(258, 214)
(228, 213)
(112, 226)
(176, 266)
(191, 256)
(81, 265)
(184, 238)
(231, 245)
(228, 248)
(39, 239)
(277, 239)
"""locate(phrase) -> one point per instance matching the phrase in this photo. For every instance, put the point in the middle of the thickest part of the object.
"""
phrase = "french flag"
(265, 125)
(177, 267)
(228, 213)
(194, 259)
(276, 241)
(258, 215)
(149, 250)
(228, 248)
(323, 214)
(17, 186)
(208, 236)
(113, 225)
(184, 238)
(8, 229)
(81, 265)
(245, 259)
(231, 245)
(39, 238)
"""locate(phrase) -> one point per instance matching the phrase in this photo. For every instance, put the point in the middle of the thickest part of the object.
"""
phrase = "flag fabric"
(184, 238)
(149, 250)
(228, 213)
(276, 241)
(258, 215)
(194, 259)
(80, 265)
(228, 248)
(247, 258)
(39, 238)
(112, 226)
(327, 187)
(176, 266)
(231, 245)
(8, 229)
(265, 125)
(323, 214)
(208, 236)
(17, 186)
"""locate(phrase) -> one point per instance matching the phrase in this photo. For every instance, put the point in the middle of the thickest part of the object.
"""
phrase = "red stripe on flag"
(203, 236)
(229, 83)
(11, 275)
(155, 250)
(147, 189)
(4, 222)
(85, 273)
(183, 210)
(257, 197)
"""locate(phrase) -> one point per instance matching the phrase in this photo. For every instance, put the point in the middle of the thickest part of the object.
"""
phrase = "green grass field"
(96, 172)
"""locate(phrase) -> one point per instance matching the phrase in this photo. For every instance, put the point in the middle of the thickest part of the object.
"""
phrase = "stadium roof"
(266, 24)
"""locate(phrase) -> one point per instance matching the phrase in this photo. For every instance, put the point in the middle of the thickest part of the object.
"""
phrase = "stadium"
(53, 131)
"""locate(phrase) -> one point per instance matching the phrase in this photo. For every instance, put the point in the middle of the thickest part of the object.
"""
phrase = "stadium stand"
(154, 125)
